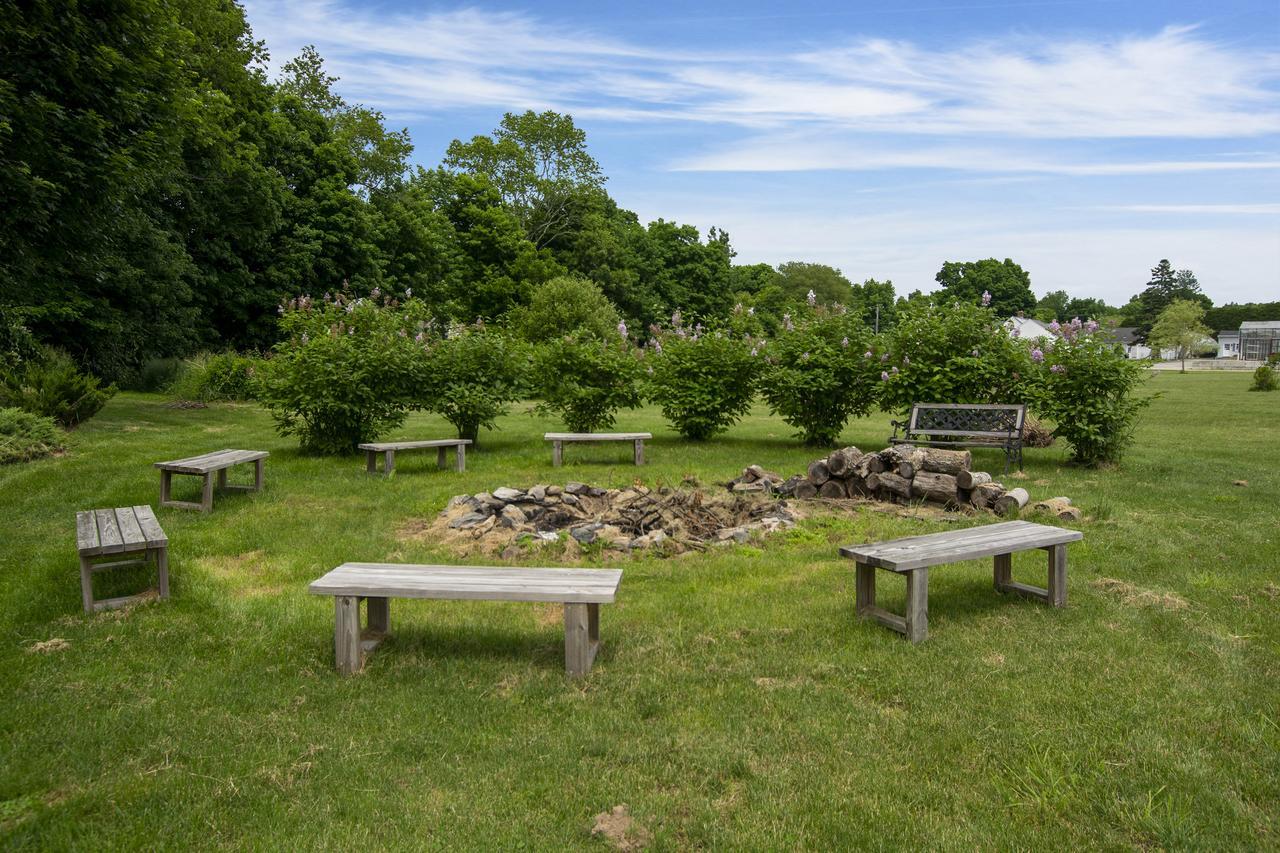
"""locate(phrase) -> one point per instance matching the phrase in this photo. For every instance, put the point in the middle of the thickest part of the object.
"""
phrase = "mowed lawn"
(737, 702)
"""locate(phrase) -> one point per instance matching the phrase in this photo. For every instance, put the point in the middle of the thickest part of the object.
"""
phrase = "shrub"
(470, 376)
(53, 385)
(585, 380)
(347, 370)
(1083, 382)
(820, 372)
(1264, 379)
(17, 344)
(704, 382)
(157, 374)
(562, 306)
(24, 436)
(952, 353)
(224, 376)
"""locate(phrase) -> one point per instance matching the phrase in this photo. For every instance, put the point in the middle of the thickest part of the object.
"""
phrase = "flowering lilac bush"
(346, 370)
(1084, 383)
(956, 353)
(470, 374)
(585, 380)
(821, 370)
(703, 381)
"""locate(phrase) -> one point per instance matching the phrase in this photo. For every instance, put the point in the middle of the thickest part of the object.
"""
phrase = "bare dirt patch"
(620, 829)
(1131, 595)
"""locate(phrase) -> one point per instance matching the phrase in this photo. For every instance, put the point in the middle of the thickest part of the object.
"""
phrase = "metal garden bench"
(994, 425)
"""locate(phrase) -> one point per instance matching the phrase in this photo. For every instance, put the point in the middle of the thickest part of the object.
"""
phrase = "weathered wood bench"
(128, 536)
(582, 591)
(994, 425)
(914, 555)
(388, 450)
(206, 466)
(559, 439)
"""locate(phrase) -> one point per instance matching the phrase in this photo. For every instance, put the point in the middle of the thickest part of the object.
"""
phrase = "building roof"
(1259, 324)
(1228, 333)
(1127, 335)
(1028, 327)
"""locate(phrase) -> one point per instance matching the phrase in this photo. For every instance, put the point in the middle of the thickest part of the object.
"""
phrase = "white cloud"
(1248, 209)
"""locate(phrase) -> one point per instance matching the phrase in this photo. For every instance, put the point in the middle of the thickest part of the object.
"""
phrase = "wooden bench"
(582, 591)
(388, 450)
(206, 466)
(127, 536)
(559, 439)
(914, 555)
(995, 425)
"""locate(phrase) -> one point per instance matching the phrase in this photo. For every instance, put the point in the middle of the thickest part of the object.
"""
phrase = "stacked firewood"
(905, 473)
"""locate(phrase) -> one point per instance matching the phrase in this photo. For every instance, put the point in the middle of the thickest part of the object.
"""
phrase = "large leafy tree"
(681, 272)
(1165, 286)
(1179, 327)
(539, 164)
(874, 302)
(1008, 284)
(828, 285)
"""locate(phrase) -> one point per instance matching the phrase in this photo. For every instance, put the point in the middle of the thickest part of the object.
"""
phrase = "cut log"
(856, 486)
(869, 464)
(806, 491)
(895, 485)
(985, 495)
(841, 462)
(1059, 507)
(1012, 502)
(833, 489)
(939, 461)
(910, 464)
(940, 488)
(972, 479)
(818, 472)
(872, 482)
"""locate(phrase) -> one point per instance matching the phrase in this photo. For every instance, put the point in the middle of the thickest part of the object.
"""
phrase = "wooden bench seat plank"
(954, 546)
(381, 446)
(151, 529)
(394, 580)
(130, 530)
(87, 540)
(108, 532)
(208, 462)
(597, 436)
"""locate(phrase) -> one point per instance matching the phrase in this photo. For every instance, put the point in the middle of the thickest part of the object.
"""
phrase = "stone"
(511, 552)
(512, 516)
(548, 535)
(752, 486)
(736, 534)
(538, 494)
(652, 538)
(570, 499)
(576, 488)
(584, 534)
(508, 495)
(554, 491)
(458, 500)
(471, 519)
(491, 500)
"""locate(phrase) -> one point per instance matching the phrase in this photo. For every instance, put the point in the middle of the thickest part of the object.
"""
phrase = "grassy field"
(737, 703)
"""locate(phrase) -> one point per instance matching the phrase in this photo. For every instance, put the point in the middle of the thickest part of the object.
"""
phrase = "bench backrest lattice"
(996, 425)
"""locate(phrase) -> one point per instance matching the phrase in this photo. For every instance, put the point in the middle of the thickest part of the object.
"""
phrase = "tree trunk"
(841, 462)
(818, 472)
(972, 479)
(1060, 507)
(935, 487)
(940, 461)
(910, 464)
(833, 489)
(985, 495)
(856, 486)
(892, 483)
(806, 491)
(1012, 502)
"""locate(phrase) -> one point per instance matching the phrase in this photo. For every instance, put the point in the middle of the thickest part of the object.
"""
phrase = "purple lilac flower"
(884, 356)
(751, 312)
(1055, 327)
(305, 337)
(1057, 368)
(986, 298)
(1016, 333)
(787, 324)
(975, 353)
(1091, 326)
(376, 292)
(1075, 323)
(804, 356)
(844, 342)
(657, 345)
(622, 329)
(884, 376)
(408, 293)
(1037, 356)
(676, 319)
(420, 337)
(906, 359)
(811, 298)
(755, 351)
(867, 354)
(894, 371)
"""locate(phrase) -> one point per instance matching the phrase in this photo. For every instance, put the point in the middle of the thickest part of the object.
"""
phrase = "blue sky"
(1085, 140)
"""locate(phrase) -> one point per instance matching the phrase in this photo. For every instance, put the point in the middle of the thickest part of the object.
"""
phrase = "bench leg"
(1003, 571)
(389, 462)
(166, 487)
(222, 479)
(206, 496)
(557, 454)
(258, 469)
(441, 457)
(162, 569)
(865, 589)
(348, 659)
(379, 614)
(460, 458)
(1057, 575)
(86, 584)
(917, 605)
(371, 461)
(639, 451)
(581, 638)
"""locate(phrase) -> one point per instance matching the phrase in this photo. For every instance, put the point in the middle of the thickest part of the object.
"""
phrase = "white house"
(1028, 328)
(1228, 344)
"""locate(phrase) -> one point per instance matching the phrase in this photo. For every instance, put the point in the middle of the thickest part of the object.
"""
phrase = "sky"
(1085, 140)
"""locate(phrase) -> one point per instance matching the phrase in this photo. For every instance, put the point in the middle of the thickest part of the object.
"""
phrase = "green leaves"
(703, 382)
(585, 380)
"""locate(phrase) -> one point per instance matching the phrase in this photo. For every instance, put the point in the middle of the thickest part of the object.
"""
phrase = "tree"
(874, 302)
(1053, 306)
(562, 306)
(827, 284)
(538, 162)
(1165, 286)
(1008, 284)
(1180, 326)
(1230, 316)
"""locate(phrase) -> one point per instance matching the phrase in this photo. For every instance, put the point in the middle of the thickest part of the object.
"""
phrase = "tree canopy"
(1008, 284)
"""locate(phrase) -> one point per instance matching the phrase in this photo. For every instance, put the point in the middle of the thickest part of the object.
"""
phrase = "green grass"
(737, 703)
